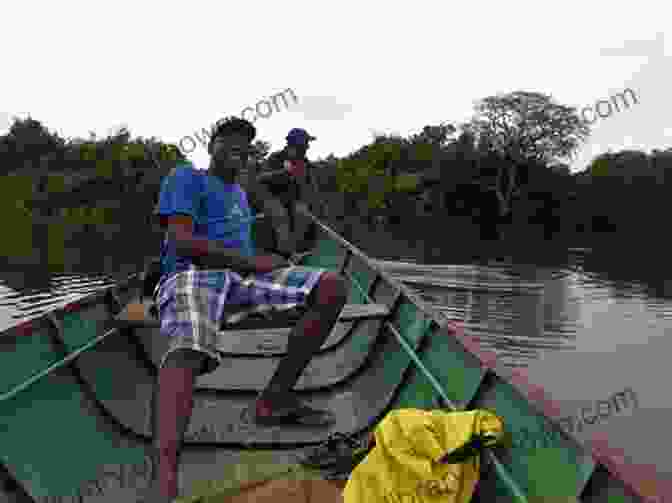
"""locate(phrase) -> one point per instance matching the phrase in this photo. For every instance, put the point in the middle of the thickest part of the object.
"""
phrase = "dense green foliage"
(29, 144)
(506, 166)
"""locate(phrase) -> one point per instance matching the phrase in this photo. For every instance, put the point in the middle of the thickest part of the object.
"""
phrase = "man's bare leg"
(172, 408)
(325, 304)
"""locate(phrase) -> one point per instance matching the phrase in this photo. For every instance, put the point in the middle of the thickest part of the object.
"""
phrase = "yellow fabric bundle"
(405, 464)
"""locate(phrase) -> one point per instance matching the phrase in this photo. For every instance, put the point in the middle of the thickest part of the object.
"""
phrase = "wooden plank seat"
(139, 314)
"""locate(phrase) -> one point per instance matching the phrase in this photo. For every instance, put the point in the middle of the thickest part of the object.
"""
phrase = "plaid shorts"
(191, 303)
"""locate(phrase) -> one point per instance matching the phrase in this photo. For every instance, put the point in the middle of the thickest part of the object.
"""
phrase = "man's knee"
(332, 289)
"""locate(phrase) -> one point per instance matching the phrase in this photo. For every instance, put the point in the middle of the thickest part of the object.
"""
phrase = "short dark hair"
(232, 125)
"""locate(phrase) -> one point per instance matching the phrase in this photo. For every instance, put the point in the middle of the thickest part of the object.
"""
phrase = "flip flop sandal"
(300, 415)
(297, 415)
(338, 449)
(347, 463)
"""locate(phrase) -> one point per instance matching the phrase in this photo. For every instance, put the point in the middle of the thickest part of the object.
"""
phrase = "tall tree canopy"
(524, 128)
(529, 126)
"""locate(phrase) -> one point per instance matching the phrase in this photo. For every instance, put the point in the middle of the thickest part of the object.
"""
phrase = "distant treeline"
(618, 195)
(503, 169)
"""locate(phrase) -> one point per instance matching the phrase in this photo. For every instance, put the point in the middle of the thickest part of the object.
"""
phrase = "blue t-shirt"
(220, 211)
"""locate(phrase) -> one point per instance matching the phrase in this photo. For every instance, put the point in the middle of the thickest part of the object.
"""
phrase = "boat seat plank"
(352, 312)
(271, 342)
(138, 315)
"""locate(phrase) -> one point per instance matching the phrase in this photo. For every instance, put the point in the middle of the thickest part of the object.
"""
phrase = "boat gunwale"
(538, 398)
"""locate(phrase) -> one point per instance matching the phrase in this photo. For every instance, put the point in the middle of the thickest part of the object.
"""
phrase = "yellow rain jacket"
(404, 466)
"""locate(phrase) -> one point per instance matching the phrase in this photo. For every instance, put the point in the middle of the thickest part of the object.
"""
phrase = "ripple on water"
(508, 309)
(18, 303)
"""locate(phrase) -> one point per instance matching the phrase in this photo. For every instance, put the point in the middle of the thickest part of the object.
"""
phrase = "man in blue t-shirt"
(208, 262)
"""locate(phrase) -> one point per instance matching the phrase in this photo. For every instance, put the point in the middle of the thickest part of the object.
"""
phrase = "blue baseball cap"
(298, 136)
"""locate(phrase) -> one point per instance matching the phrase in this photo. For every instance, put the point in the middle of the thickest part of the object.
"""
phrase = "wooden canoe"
(77, 382)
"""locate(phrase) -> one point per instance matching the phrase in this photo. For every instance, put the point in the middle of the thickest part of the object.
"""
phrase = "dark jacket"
(283, 186)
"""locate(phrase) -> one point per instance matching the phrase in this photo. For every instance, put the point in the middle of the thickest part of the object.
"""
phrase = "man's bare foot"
(289, 410)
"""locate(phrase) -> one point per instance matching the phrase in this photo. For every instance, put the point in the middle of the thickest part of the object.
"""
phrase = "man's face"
(297, 151)
(230, 154)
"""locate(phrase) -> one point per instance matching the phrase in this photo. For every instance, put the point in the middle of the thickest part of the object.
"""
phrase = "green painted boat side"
(74, 400)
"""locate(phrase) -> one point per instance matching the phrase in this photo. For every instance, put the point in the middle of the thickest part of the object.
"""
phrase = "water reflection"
(82, 262)
(23, 302)
(569, 308)
(518, 311)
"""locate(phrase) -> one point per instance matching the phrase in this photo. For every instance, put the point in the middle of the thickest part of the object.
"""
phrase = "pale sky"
(169, 69)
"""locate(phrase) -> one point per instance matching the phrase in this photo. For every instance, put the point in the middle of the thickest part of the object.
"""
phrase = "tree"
(28, 140)
(525, 127)
(436, 135)
(377, 174)
(528, 125)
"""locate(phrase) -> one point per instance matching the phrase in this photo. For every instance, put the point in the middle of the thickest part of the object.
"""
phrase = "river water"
(585, 325)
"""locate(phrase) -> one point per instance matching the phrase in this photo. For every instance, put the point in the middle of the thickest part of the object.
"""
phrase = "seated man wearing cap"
(208, 262)
(286, 185)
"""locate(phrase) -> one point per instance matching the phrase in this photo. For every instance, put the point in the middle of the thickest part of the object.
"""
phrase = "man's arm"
(213, 255)
(268, 176)
(259, 192)
(273, 170)
(312, 191)
(210, 254)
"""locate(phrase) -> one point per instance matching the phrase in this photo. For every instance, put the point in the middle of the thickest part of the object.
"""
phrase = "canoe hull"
(75, 367)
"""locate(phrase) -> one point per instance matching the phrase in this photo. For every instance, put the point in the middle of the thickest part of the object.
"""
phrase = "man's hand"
(296, 168)
(268, 263)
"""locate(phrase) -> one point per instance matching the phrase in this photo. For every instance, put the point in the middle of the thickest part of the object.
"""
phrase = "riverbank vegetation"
(503, 173)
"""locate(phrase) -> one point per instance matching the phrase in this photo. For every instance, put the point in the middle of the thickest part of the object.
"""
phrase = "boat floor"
(125, 481)
(112, 387)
